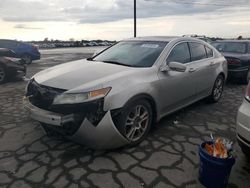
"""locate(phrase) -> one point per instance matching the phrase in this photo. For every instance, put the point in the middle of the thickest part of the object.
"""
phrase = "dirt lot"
(167, 158)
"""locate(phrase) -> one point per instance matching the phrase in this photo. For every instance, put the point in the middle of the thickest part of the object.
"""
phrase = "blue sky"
(113, 19)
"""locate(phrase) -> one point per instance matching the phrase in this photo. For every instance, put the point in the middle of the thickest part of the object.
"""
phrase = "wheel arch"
(149, 99)
(222, 74)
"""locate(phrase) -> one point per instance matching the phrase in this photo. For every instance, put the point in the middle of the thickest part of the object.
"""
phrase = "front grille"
(42, 96)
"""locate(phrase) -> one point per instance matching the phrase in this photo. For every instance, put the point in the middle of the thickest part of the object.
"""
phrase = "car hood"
(77, 73)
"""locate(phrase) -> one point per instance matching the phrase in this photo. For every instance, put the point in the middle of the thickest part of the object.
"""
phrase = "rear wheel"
(27, 59)
(2, 74)
(217, 89)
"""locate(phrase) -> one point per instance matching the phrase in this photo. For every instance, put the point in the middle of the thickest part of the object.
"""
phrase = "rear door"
(203, 67)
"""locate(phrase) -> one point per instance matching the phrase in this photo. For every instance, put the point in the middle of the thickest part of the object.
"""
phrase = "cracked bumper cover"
(103, 136)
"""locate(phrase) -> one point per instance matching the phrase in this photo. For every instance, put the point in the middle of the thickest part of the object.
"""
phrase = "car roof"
(160, 38)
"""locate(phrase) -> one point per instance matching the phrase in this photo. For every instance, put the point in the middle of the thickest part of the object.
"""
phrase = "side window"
(209, 52)
(197, 51)
(180, 53)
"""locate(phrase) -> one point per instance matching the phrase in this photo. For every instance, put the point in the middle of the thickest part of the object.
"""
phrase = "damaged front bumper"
(104, 135)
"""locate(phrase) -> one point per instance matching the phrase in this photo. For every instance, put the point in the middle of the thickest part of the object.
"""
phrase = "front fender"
(119, 99)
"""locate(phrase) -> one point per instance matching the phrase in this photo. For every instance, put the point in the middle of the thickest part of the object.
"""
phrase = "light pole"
(134, 18)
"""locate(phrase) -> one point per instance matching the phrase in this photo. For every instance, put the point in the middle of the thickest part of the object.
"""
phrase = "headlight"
(74, 98)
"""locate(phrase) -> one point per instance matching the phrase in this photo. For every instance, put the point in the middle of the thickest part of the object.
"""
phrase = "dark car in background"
(237, 53)
(28, 52)
(10, 66)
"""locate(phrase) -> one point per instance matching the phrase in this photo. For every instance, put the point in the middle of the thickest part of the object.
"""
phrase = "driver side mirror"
(176, 66)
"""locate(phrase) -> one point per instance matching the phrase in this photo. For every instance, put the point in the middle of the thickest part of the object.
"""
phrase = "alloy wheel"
(218, 88)
(137, 122)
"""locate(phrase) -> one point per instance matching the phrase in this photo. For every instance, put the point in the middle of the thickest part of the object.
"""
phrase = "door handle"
(192, 69)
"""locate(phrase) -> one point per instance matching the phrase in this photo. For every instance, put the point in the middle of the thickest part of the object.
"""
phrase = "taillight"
(248, 92)
(233, 61)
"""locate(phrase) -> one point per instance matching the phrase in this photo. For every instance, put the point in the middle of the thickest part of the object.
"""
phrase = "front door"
(177, 89)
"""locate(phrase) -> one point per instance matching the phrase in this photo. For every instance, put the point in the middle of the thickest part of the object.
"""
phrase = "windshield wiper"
(90, 59)
(118, 63)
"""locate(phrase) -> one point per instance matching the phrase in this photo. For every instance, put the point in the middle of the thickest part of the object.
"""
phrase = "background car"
(9, 66)
(237, 53)
(243, 123)
(201, 37)
(26, 51)
(113, 99)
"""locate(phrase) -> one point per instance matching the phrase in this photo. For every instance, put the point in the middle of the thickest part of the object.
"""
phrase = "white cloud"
(99, 11)
(23, 26)
(113, 19)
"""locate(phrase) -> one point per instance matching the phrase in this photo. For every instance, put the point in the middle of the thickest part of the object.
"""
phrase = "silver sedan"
(113, 98)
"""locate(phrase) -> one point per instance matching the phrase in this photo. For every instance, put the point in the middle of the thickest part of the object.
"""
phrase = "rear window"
(234, 47)
(198, 51)
(7, 44)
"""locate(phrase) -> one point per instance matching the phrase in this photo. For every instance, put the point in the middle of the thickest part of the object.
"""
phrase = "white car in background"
(243, 123)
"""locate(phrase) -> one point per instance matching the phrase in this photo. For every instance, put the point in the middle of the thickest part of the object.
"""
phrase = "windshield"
(132, 53)
(234, 47)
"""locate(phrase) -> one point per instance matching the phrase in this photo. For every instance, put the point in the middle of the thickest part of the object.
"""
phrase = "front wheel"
(217, 90)
(135, 121)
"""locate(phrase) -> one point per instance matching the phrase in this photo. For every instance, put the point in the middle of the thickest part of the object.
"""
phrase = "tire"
(247, 78)
(134, 122)
(27, 59)
(2, 74)
(246, 153)
(245, 150)
(217, 90)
